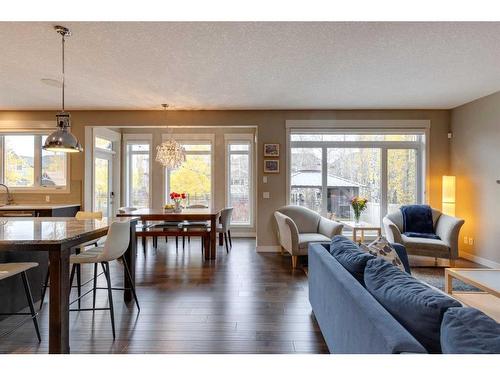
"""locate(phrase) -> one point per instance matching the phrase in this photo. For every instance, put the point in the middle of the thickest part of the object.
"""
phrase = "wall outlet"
(264, 179)
(266, 195)
(471, 241)
(466, 240)
(47, 198)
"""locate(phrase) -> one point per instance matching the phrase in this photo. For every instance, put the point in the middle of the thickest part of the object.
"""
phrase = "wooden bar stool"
(11, 269)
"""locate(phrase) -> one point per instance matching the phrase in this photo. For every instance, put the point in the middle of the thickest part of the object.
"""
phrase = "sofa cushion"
(469, 331)
(381, 248)
(417, 307)
(306, 238)
(348, 254)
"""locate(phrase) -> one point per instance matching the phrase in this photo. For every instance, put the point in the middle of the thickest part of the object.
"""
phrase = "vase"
(356, 218)
(178, 208)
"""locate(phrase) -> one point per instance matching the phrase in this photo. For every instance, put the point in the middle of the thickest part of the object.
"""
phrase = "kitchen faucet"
(9, 195)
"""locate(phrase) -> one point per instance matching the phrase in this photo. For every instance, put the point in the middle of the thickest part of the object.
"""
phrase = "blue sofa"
(350, 318)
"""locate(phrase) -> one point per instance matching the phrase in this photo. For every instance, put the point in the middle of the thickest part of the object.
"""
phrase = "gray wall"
(475, 160)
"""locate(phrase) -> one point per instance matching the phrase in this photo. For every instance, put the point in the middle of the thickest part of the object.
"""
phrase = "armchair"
(445, 226)
(299, 226)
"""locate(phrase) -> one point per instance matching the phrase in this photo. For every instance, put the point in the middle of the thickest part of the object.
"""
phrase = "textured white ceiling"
(250, 65)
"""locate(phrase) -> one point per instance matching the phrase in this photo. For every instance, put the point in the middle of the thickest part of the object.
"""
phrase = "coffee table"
(487, 280)
(361, 227)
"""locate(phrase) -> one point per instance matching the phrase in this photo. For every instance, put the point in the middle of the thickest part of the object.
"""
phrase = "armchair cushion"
(431, 236)
(306, 238)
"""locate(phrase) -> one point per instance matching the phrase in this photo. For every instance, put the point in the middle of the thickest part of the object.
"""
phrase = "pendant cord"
(63, 40)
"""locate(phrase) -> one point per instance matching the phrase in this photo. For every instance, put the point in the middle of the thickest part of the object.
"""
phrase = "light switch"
(266, 195)
(264, 179)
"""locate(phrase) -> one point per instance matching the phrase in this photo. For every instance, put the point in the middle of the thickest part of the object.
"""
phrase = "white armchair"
(445, 226)
(299, 226)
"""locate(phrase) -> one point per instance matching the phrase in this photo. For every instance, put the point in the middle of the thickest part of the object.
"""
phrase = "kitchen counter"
(34, 207)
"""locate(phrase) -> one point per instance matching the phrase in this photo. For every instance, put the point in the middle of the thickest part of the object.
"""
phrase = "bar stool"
(11, 269)
(116, 244)
(80, 215)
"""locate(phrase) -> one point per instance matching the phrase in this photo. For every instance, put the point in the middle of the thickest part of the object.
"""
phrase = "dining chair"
(116, 245)
(80, 215)
(11, 269)
(192, 224)
(139, 227)
(224, 226)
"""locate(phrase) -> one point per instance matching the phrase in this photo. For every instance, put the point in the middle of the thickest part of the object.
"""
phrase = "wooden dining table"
(189, 214)
(57, 236)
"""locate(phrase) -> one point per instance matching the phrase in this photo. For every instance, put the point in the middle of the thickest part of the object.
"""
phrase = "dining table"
(186, 214)
(58, 236)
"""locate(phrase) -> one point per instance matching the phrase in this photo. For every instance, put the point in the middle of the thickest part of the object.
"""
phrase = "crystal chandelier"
(170, 153)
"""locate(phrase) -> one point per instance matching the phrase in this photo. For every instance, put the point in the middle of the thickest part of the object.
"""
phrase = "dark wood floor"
(244, 302)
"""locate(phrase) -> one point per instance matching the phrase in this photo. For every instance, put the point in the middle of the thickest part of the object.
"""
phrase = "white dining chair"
(224, 226)
(116, 245)
(12, 269)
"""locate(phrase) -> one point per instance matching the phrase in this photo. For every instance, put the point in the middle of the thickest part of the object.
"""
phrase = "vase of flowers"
(177, 198)
(358, 205)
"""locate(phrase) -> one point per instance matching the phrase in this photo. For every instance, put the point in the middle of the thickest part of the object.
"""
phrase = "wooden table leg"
(354, 234)
(130, 259)
(213, 238)
(59, 301)
(447, 282)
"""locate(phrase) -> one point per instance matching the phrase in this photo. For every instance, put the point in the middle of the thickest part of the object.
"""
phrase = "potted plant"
(358, 205)
(177, 198)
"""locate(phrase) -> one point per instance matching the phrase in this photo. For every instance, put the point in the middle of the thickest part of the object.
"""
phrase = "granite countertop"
(35, 206)
(47, 230)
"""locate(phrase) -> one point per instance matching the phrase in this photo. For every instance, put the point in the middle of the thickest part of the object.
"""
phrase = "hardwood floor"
(244, 302)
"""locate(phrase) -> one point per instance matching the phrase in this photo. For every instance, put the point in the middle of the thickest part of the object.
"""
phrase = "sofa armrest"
(392, 232)
(288, 232)
(448, 229)
(329, 228)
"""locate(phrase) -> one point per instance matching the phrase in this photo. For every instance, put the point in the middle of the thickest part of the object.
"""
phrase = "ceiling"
(276, 65)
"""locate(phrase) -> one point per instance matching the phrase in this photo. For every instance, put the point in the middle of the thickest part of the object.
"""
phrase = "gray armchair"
(299, 226)
(446, 227)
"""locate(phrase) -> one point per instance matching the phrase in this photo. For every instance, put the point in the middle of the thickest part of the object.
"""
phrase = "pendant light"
(170, 153)
(62, 140)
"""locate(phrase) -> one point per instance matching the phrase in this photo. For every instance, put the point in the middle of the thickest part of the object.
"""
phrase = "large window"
(26, 166)
(194, 176)
(138, 184)
(328, 169)
(239, 181)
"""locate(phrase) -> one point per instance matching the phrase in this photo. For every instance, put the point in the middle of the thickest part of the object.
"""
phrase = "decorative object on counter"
(177, 198)
(170, 153)
(271, 149)
(358, 205)
(271, 166)
(62, 140)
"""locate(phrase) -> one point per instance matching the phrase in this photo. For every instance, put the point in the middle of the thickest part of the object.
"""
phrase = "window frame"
(130, 139)
(240, 139)
(37, 164)
(363, 127)
(193, 139)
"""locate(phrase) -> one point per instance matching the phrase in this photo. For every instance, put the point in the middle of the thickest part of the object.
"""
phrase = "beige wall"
(270, 128)
(475, 160)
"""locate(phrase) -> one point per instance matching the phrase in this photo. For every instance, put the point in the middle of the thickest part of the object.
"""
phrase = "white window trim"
(209, 138)
(132, 139)
(41, 130)
(366, 126)
(244, 138)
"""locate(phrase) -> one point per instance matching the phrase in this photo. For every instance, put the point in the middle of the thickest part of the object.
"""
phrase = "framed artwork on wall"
(271, 149)
(271, 166)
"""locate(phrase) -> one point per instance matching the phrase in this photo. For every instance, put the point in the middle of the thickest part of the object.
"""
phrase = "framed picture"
(271, 166)
(271, 149)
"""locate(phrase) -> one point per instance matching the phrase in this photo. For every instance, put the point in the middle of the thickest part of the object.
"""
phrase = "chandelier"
(170, 153)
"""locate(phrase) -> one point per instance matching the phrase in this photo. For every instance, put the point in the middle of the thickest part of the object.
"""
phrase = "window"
(239, 181)
(328, 169)
(27, 166)
(194, 176)
(138, 173)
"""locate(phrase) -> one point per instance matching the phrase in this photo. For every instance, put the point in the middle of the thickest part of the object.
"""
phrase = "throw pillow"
(381, 248)
(414, 305)
(468, 331)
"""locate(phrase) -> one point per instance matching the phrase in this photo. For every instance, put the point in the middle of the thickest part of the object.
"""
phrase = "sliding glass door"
(327, 170)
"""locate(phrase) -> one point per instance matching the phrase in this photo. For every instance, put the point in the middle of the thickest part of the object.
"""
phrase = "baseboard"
(243, 234)
(482, 261)
(269, 249)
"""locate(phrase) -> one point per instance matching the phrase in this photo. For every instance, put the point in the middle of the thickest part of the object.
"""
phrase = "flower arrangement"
(177, 198)
(358, 205)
